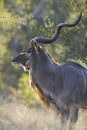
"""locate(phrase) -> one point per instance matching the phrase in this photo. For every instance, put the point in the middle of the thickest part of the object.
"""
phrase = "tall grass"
(18, 116)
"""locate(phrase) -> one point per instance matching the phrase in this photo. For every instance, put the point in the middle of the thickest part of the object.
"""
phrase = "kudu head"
(24, 58)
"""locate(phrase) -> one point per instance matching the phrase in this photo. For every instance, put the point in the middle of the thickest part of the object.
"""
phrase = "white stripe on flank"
(83, 72)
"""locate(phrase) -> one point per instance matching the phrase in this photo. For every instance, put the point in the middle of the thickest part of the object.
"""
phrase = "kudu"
(62, 86)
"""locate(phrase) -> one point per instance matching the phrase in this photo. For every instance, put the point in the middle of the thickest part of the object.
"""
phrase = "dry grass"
(18, 116)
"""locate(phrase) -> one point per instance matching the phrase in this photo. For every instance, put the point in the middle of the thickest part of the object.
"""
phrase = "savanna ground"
(16, 115)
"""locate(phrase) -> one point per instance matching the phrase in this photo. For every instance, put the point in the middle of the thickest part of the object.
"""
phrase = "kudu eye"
(39, 49)
(29, 50)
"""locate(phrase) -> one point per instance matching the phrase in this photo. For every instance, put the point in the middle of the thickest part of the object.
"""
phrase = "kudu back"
(62, 86)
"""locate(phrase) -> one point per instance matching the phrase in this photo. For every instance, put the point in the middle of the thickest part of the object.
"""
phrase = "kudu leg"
(64, 121)
(73, 116)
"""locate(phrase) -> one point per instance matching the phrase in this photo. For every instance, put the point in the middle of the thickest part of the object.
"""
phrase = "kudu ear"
(34, 45)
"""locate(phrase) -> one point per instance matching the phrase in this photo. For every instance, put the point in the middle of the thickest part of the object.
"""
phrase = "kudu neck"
(42, 61)
(45, 59)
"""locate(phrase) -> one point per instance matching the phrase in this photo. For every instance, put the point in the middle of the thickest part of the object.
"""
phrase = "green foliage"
(25, 89)
(18, 26)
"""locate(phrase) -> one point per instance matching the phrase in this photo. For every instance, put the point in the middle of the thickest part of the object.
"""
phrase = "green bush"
(25, 89)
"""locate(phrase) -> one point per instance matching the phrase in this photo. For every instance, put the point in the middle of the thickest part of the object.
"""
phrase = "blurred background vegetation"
(21, 20)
